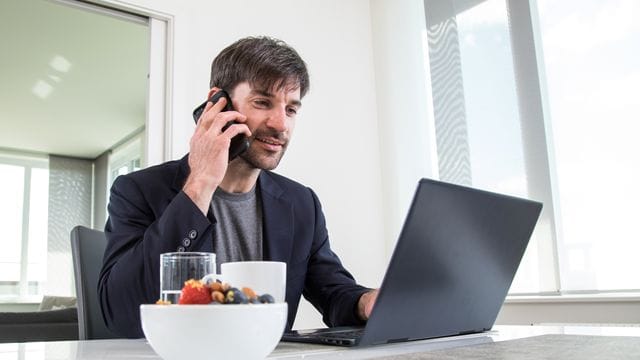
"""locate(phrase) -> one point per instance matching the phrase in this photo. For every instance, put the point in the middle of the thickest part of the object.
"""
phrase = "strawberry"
(195, 292)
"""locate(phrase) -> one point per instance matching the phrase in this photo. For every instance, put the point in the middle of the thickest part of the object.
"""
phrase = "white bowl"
(243, 331)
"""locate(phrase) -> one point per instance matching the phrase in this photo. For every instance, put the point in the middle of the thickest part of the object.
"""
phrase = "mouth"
(271, 144)
(270, 141)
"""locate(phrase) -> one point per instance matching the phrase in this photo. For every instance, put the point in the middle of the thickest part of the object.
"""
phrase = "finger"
(210, 112)
(221, 120)
(201, 127)
(236, 129)
(220, 104)
(207, 106)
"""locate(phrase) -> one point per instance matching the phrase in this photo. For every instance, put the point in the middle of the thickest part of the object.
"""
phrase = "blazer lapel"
(277, 213)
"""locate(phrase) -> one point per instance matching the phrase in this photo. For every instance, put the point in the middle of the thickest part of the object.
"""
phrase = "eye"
(262, 103)
(291, 111)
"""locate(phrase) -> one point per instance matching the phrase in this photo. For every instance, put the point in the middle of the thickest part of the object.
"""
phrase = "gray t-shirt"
(238, 232)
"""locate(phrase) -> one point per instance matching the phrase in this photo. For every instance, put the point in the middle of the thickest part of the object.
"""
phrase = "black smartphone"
(239, 143)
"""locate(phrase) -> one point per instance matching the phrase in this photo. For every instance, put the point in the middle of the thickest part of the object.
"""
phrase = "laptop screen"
(455, 259)
(453, 264)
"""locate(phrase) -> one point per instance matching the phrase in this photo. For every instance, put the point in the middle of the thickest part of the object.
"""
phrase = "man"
(238, 209)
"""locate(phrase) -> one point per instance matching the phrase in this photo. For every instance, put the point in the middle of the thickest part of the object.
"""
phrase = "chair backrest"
(87, 248)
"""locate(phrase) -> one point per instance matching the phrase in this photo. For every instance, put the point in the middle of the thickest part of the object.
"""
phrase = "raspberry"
(195, 292)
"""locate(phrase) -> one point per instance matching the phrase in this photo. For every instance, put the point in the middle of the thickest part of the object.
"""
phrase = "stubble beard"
(260, 160)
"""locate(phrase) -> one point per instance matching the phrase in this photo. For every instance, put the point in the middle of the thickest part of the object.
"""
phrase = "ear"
(212, 91)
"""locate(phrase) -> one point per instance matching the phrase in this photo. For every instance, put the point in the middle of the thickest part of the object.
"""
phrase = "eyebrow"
(268, 94)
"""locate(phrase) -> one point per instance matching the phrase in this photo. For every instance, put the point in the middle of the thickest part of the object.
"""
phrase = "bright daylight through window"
(584, 162)
(592, 59)
(24, 188)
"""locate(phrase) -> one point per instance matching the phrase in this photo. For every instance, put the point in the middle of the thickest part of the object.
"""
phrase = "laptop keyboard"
(345, 336)
(349, 334)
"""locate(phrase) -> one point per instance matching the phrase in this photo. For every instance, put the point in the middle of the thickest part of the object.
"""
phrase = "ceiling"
(73, 82)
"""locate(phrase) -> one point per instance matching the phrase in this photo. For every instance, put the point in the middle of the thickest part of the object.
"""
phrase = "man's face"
(271, 118)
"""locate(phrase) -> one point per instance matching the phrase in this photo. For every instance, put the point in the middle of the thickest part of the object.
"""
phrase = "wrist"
(200, 193)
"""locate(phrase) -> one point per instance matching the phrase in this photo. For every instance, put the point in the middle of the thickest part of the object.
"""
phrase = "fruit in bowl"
(233, 331)
(198, 292)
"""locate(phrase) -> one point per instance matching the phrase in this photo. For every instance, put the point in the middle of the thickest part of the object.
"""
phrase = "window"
(125, 158)
(479, 132)
(592, 60)
(527, 101)
(44, 197)
(24, 190)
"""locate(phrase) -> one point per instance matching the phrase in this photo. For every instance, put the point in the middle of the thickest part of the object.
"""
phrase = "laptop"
(449, 274)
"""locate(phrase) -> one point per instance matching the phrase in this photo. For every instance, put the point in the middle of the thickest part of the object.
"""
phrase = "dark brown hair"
(265, 63)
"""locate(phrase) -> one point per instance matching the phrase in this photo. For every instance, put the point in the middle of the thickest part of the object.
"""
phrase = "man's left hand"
(366, 302)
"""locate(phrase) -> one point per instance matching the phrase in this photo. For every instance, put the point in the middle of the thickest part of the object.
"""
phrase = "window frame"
(536, 130)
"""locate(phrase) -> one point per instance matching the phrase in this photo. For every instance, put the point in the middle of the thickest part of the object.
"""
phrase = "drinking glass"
(178, 267)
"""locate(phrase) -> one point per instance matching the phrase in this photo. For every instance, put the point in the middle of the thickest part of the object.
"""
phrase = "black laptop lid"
(454, 262)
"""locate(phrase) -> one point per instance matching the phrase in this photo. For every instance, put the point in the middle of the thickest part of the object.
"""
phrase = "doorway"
(75, 105)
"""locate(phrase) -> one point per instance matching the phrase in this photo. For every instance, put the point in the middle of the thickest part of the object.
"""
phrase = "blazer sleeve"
(143, 223)
(329, 286)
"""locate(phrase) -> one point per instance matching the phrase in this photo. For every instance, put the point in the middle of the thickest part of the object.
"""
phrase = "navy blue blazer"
(149, 214)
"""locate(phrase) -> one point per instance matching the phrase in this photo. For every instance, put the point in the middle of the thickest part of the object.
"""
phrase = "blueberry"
(266, 299)
(235, 296)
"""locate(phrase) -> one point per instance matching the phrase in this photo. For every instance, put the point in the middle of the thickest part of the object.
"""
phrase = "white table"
(484, 343)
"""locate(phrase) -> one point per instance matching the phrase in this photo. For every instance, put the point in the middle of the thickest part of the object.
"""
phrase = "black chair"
(87, 248)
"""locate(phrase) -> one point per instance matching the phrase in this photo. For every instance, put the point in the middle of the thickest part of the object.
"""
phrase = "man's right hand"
(209, 152)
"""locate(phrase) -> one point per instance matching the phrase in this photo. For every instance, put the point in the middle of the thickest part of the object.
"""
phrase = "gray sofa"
(46, 325)
(57, 319)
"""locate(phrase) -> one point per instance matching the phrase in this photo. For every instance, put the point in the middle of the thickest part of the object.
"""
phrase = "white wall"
(407, 143)
(335, 148)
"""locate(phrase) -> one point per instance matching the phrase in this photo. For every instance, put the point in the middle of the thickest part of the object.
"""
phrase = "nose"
(278, 119)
